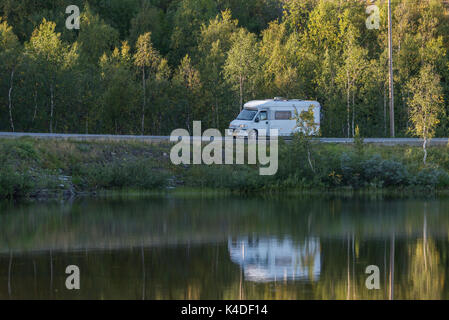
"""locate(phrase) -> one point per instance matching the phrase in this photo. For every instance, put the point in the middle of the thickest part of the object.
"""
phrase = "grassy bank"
(43, 168)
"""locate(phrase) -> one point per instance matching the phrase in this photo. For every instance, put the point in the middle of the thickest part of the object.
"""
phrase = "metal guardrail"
(389, 141)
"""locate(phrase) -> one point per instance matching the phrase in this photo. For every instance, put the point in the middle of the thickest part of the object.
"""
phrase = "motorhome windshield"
(247, 115)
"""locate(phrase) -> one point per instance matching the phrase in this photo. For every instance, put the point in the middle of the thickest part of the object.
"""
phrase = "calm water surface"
(226, 248)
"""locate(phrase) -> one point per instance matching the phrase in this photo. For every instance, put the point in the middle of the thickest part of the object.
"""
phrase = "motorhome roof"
(277, 102)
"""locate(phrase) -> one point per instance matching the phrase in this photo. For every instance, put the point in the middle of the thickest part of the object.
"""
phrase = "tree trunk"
(424, 146)
(9, 273)
(425, 237)
(188, 117)
(348, 106)
(309, 159)
(52, 107)
(385, 110)
(217, 114)
(348, 289)
(10, 100)
(35, 105)
(144, 100)
(391, 80)
(159, 124)
(353, 113)
(241, 92)
(391, 278)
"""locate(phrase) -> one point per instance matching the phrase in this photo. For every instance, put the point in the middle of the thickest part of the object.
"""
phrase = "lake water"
(226, 248)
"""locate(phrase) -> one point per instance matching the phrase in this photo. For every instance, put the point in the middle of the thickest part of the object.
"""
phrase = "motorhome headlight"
(243, 126)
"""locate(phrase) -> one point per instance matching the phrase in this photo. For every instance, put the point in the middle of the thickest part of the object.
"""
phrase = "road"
(158, 139)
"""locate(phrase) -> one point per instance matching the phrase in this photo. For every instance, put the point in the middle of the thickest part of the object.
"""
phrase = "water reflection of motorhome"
(272, 259)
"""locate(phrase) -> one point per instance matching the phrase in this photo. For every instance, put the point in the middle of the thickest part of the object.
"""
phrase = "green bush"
(372, 168)
(359, 173)
(137, 175)
(394, 173)
(14, 184)
(432, 177)
(21, 148)
(351, 170)
(234, 178)
(293, 160)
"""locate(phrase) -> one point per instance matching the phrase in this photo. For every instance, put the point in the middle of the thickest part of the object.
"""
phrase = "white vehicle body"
(269, 259)
(262, 115)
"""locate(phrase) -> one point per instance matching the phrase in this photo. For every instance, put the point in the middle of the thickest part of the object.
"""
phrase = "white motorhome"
(268, 259)
(277, 113)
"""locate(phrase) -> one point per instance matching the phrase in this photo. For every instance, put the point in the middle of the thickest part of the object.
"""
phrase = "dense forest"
(150, 66)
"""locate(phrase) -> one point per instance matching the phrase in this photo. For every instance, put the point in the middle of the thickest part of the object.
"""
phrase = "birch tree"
(188, 78)
(354, 64)
(53, 56)
(242, 64)
(146, 57)
(426, 104)
(9, 57)
(119, 99)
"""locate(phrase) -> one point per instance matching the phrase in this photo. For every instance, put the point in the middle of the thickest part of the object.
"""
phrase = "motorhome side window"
(263, 116)
(282, 115)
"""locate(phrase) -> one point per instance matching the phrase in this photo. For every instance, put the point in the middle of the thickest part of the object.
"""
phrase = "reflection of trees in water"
(198, 272)
(101, 223)
(206, 271)
(426, 273)
(309, 258)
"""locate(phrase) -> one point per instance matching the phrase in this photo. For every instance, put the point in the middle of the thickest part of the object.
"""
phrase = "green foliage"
(432, 178)
(14, 184)
(150, 19)
(121, 175)
(9, 44)
(241, 179)
(95, 36)
(358, 142)
(120, 94)
(34, 166)
(241, 63)
(426, 104)
(305, 122)
(238, 50)
(187, 18)
(22, 149)
(146, 55)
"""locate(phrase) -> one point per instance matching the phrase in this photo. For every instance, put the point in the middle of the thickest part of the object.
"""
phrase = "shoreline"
(45, 170)
(186, 192)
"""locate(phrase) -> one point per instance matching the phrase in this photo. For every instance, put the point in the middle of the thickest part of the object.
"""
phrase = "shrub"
(432, 177)
(358, 142)
(359, 173)
(394, 173)
(234, 178)
(351, 171)
(14, 184)
(293, 160)
(137, 175)
(372, 168)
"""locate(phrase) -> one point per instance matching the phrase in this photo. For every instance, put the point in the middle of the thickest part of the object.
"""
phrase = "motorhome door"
(262, 122)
